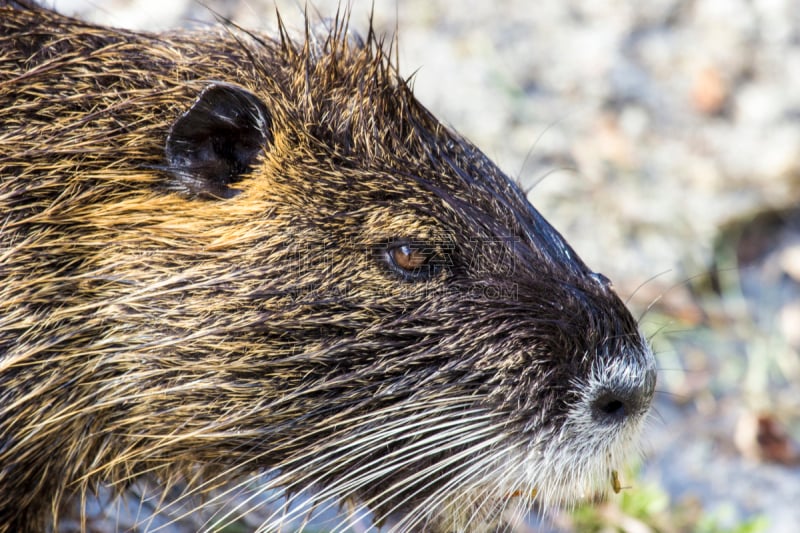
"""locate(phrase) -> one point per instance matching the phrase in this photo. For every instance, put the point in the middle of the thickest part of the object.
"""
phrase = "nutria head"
(227, 254)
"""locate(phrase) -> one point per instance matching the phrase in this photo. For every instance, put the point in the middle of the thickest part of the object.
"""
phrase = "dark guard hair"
(224, 254)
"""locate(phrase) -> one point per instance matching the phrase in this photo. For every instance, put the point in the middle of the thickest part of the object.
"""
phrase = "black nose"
(616, 402)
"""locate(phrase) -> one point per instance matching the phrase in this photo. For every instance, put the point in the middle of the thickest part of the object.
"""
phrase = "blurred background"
(662, 138)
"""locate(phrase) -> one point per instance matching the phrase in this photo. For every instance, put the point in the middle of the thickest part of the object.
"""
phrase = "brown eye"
(413, 261)
(408, 258)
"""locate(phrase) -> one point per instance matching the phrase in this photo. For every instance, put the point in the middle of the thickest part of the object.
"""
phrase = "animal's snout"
(622, 396)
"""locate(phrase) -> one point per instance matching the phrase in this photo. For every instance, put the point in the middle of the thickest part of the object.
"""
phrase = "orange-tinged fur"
(158, 325)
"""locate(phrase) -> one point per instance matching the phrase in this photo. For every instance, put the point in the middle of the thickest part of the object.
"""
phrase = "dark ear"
(217, 140)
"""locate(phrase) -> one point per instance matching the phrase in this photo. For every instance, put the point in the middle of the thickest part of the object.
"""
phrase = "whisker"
(312, 456)
(365, 474)
(358, 448)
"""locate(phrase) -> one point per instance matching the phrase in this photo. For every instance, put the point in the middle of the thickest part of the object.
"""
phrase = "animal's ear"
(218, 139)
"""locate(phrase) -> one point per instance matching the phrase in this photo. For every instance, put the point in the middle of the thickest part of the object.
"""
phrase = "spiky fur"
(146, 333)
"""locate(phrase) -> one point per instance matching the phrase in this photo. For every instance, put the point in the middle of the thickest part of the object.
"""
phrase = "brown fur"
(155, 324)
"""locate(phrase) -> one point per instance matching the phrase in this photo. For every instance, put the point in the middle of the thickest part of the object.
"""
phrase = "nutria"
(226, 254)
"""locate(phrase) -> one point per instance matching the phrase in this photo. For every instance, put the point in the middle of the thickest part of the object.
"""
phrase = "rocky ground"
(663, 139)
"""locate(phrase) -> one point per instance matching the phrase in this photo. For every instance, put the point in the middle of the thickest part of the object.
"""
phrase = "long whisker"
(355, 449)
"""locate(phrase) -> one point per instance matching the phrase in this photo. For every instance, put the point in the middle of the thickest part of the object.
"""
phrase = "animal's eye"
(414, 261)
(409, 258)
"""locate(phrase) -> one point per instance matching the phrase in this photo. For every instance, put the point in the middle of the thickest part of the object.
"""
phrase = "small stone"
(790, 324)
(709, 92)
(790, 263)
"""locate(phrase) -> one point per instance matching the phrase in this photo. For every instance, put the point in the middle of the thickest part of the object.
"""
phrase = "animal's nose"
(621, 398)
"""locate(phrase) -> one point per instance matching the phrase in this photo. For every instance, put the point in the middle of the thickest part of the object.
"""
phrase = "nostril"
(611, 408)
(620, 399)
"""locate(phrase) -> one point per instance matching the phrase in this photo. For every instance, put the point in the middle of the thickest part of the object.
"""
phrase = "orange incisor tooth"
(615, 483)
(517, 493)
